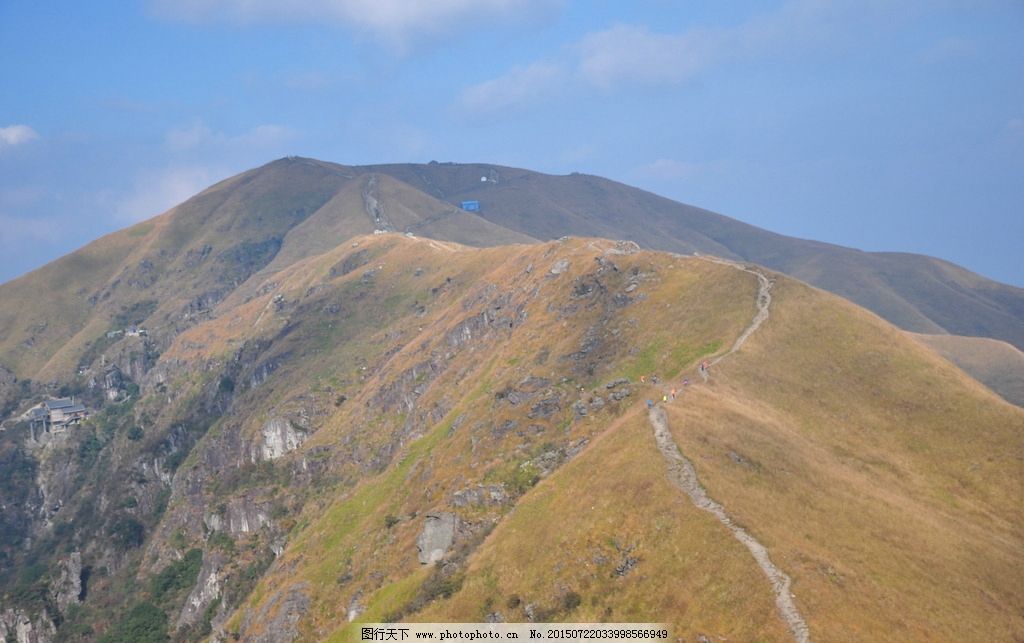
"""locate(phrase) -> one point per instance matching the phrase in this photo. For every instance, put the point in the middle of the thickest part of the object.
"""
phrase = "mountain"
(915, 292)
(300, 423)
(996, 364)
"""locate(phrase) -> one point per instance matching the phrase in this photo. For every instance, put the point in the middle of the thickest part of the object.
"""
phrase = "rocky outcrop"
(240, 515)
(279, 437)
(279, 616)
(16, 625)
(437, 536)
(480, 495)
(67, 589)
(207, 589)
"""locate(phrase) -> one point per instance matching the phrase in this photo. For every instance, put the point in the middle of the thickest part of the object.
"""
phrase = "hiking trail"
(684, 476)
(682, 473)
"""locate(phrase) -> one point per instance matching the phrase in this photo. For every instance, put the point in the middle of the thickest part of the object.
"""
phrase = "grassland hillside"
(407, 429)
(169, 272)
(915, 292)
(884, 482)
(996, 364)
(327, 423)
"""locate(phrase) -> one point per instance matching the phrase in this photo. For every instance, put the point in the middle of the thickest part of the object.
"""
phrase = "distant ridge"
(174, 269)
(915, 292)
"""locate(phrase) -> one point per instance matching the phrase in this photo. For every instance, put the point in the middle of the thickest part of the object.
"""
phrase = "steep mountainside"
(404, 428)
(323, 395)
(171, 271)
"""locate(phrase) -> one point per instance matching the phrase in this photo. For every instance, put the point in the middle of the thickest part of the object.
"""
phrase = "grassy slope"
(885, 482)
(202, 250)
(996, 364)
(865, 469)
(912, 291)
(349, 537)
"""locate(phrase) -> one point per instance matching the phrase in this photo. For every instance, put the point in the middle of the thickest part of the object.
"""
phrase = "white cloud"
(16, 135)
(630, 55)
(198, 135)
(636, 55)
(157, 191)
(520, 86)
(19, 229)
(397, 22)
(668, 169)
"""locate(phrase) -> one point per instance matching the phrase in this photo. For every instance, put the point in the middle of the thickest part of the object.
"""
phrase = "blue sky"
(882, 125)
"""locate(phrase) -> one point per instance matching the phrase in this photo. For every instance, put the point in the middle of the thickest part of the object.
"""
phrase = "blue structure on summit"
(471, 206)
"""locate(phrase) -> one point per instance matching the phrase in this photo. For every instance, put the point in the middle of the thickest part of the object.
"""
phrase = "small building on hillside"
(56, 415)
(471, 206)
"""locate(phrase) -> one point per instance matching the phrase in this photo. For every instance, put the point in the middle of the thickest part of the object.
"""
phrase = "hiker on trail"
(654, 379)
(643, 380)
(664, 398)
(686, 382)
(673, 394)
(650, 403)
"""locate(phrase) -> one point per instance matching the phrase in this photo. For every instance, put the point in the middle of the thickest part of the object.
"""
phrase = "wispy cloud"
(667, 169)
(18, 230)
(16, 135)
(159, 190)
(198, 135)
(519, 86)
(398, 23)
(627, 55)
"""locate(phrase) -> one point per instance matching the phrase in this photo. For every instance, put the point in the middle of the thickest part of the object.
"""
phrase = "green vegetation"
(179, 575)
(144, 623)
(134, 313)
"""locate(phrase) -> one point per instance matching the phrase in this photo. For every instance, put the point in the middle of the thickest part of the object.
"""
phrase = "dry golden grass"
(998, 365)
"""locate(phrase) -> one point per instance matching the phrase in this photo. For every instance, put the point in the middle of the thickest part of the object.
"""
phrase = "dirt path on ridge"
(682, 473)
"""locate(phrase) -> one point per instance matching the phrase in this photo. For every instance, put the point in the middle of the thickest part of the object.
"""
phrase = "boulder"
(437, 536)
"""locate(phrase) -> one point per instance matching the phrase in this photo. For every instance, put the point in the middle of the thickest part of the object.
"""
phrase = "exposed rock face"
(279, 616)
(15, 625)
(241, 515)
(207, 589)
(480, 496)
(437, 536)
(559, 267)
(279, 437)
(68, 587)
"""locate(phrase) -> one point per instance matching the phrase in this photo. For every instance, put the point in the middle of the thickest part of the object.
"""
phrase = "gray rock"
(68, 586)
(437, 536)
(559, 267)
(279, 437)
(206, 590)
(617, 382)
(16, 625)
(279, 616)
(544, 408)
(620, 394)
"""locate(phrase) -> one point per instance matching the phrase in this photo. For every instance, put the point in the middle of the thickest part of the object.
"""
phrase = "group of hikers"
(671, 395)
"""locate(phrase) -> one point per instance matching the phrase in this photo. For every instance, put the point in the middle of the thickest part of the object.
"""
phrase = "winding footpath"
(682, 473)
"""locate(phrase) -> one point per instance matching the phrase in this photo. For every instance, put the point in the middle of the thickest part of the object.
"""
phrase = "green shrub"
(179, 575)
(144, 623)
